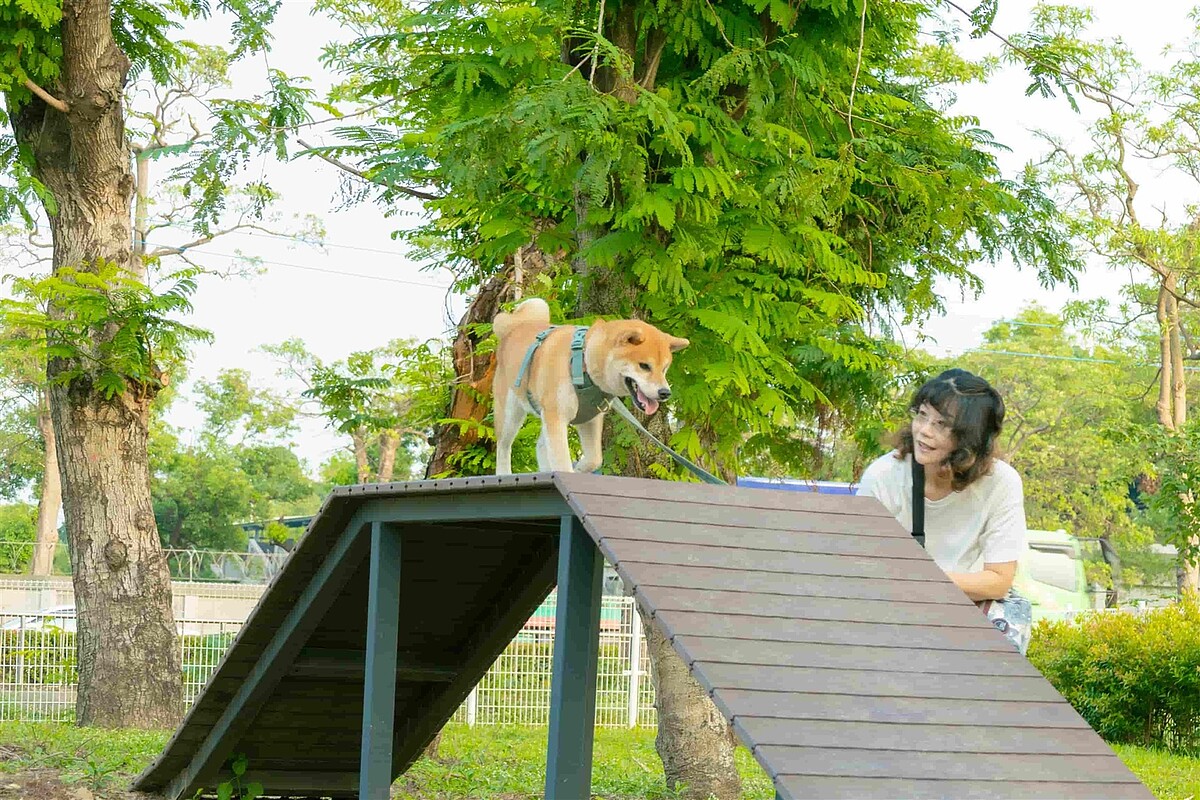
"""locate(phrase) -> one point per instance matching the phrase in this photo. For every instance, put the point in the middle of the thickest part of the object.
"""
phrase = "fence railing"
(184, 565)
(39, 676)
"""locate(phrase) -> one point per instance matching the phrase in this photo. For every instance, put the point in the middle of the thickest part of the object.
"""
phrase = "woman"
(974, 502)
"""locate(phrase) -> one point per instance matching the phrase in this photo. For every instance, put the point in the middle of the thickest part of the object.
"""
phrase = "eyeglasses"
(939, 425)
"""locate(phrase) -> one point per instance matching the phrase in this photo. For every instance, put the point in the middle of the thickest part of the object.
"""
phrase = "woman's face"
(933, 436)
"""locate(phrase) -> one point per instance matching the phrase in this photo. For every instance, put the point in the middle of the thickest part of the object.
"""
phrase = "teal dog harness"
(592, 400)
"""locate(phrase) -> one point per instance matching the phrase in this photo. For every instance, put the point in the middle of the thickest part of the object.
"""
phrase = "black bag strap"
(918, 501)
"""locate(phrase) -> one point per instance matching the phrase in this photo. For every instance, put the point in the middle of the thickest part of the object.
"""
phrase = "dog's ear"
(633, 337)
(677, 343)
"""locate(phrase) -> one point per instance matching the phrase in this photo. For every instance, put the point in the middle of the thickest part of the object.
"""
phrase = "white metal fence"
(38, 673)
(184, 565)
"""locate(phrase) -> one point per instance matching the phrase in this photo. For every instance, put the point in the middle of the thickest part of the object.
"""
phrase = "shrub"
(1135, 678)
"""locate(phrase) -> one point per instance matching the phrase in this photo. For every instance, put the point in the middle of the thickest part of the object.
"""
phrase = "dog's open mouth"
(644, 404)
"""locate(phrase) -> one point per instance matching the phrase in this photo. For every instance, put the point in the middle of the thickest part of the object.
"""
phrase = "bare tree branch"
(203, 240)
(360, 174)
(49, 99)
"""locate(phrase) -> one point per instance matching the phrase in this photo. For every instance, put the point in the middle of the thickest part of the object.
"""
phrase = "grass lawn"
(53, 762)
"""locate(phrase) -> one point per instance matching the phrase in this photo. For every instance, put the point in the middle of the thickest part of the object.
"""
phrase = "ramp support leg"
(379, 681)
(576, 649)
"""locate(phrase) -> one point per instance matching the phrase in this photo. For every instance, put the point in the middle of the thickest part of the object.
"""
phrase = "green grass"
(499, 762)
(488, 762)
(92, 757)
(1169, 776)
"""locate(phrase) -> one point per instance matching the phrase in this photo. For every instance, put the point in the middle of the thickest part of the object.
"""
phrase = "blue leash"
(695, 469)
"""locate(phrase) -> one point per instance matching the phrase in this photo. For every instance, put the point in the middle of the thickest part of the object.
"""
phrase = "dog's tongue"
(649, 405)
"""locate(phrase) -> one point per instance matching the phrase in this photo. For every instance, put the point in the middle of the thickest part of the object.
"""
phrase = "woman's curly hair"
(976, 413)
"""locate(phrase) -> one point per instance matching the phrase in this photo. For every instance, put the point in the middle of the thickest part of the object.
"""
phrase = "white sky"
(338, 313)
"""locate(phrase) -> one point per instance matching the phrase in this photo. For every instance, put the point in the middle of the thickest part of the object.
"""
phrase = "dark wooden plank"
(333, 734)
(301, 782)
(871, 682)
(616, 518)
(861, 763)
(979, 738)
(808, 787)
(894, 659)
(601, 489)
(857, 708)
(932, 591)
(618, 551)
(797, 540)
(734, 517)
(734, 626)
(334, 664)
(282, 755)
(752, 604)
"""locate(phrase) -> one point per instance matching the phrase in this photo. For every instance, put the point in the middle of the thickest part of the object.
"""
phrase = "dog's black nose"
(663, 394)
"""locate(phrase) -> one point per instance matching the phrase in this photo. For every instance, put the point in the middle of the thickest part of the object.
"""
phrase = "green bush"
(1134, 677)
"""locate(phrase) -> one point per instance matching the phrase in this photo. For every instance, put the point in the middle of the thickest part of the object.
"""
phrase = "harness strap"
(537, 342)
(579, 376)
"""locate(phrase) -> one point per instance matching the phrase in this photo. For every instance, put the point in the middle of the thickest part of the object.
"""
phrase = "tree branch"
(360, 174)
(1025, 53)
(203, 240)
(48, 98)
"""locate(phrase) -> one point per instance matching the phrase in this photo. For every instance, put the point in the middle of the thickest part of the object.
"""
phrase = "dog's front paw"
(586, 466)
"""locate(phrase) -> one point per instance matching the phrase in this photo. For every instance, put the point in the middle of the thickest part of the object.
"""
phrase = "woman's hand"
(992, 583)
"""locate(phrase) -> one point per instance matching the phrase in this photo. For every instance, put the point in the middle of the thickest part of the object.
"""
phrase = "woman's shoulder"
(885, 466)
(1003, 477)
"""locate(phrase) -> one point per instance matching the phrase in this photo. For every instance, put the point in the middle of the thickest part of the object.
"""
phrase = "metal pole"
(576, 651)
(379, 681)
(635, 661)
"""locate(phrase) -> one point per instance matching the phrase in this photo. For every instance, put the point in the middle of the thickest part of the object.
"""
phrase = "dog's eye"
(644, 366)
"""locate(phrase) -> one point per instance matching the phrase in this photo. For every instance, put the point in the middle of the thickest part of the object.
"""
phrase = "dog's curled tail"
(533, 310)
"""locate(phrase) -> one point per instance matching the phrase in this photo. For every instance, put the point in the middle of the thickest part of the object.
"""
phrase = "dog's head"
(634, 359)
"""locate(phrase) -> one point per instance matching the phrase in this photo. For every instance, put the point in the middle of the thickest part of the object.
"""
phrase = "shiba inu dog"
(567, 376)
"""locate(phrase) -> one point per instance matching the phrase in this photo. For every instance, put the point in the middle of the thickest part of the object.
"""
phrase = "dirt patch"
(45, 784)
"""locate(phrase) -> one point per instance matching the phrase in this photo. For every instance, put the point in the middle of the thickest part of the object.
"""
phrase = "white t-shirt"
(984, 523)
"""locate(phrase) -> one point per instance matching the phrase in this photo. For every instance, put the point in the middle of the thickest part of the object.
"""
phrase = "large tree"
(770, 180)
(1142, 136)
(65, 70)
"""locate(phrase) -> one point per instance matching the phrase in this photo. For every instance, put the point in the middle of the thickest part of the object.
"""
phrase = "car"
(61, 618)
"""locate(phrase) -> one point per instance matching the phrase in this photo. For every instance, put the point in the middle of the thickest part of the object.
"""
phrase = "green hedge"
(1134, 677)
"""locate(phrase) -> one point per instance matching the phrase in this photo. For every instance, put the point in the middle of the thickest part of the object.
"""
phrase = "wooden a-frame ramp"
(847, 662)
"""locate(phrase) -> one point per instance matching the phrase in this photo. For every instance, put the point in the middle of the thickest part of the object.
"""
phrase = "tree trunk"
(129, 668)
(362, 464)
(50, 498)
(1189, 572)
(694, 741)
(1163, 406)
(128, 651)
(388, 442)
(1175, 340)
